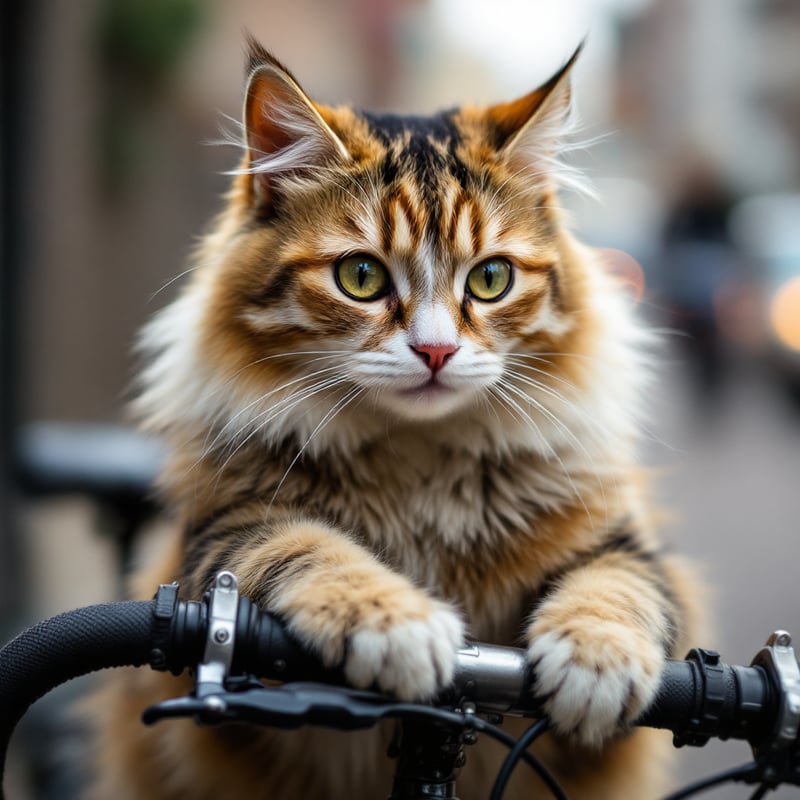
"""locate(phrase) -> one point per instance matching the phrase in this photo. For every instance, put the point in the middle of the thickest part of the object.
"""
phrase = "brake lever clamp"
(208, 702)
(779, 660)
(220, 637)
(779, 753)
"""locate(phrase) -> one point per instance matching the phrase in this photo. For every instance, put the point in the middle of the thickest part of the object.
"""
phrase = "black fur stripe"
(623, 539)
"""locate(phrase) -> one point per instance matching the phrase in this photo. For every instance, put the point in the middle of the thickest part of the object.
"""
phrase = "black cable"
(515, 754)
(735, 774)
(761, 791)
(531, 760)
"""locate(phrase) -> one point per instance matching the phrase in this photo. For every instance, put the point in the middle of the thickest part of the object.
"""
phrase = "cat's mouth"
(426, 400)
(430, 388)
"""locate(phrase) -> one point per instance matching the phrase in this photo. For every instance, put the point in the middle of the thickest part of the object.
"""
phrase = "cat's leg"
(599, 638)
(342, 603)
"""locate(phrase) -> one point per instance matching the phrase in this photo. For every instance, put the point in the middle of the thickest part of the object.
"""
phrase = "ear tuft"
(257, 55)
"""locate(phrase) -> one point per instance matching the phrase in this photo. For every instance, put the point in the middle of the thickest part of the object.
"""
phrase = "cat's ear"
(529, 131)
(285, 130)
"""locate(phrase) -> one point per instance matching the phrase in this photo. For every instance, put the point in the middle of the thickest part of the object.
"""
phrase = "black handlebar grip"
(678, 700)
(701, 698)
(65, 647)
(265, 648)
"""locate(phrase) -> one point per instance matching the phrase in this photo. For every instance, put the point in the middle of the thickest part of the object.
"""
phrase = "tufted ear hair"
(528, 132)
(284, 128)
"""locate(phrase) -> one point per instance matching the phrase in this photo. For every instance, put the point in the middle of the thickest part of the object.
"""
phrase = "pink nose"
(434, 355)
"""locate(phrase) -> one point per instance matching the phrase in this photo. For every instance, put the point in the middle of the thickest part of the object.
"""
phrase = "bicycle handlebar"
(226, 635)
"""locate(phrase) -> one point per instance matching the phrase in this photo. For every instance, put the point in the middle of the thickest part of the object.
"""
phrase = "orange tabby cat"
(401, 404)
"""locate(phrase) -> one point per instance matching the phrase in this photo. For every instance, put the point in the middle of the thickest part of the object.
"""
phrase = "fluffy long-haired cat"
(401, 405)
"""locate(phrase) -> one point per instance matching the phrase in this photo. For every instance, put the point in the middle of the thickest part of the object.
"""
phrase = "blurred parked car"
(767, 229)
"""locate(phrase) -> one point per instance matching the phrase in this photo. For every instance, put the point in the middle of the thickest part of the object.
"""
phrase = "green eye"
(362, 277)
(489, 280)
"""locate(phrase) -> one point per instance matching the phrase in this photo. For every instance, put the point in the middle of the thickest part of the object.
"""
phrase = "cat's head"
(385, 267)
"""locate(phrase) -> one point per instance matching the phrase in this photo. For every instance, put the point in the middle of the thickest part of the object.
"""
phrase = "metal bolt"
(221, 635)
(158, 658)
(783, 639)
(215, 705)
(225, 580)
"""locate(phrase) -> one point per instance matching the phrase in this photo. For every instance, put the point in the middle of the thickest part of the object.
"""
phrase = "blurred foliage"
(139, 45)
(146, 37)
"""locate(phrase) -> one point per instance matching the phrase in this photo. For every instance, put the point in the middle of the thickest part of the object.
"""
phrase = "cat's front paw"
(387, 634)
(594, 676)
(412, 658)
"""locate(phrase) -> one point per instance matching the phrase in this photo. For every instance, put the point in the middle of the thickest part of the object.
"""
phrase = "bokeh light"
(785, 314)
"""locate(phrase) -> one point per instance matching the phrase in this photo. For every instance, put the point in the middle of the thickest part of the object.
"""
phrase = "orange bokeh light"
(625, 268)
(785, 314)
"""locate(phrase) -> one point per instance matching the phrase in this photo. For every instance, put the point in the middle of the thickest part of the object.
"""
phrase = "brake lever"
(221, 697)
(286, 706)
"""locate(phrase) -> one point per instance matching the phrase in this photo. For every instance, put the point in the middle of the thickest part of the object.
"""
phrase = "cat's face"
(411, 265)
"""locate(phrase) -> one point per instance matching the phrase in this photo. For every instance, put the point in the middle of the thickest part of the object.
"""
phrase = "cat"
(402, 404)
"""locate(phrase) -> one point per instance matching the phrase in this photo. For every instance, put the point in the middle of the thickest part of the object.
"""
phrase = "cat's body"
(401, 400)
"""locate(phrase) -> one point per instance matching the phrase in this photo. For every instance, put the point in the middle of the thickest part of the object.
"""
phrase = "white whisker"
(332, 412)
(176, 278)
(283, 406)
(321, 356)
(541, 408)
(516, 390)
(261, 399)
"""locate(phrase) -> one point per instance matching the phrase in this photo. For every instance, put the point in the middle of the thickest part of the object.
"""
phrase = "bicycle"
(231, 645)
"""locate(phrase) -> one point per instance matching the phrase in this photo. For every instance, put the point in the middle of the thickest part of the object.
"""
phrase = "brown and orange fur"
(391, 473)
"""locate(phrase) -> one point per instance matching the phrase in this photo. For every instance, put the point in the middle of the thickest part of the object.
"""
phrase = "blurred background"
(108, 177)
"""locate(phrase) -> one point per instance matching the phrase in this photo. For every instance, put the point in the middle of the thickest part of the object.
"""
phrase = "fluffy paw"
(593, 676)
(383, 631)
(412, 658)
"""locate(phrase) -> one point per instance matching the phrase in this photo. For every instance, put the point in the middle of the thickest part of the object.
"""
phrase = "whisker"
(646, 430)
(321, 425)
(176, 278)
(498, 390)
(322, 355)
(287, 405)
(543, 356)
(567, 432)
(539, 371)
(506, 385)
(261, 399)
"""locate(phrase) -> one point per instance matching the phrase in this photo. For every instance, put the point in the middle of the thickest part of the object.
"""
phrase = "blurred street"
(732, 484)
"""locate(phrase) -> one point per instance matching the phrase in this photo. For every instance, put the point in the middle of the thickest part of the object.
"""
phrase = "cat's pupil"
(363, 274)
(488, 275)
